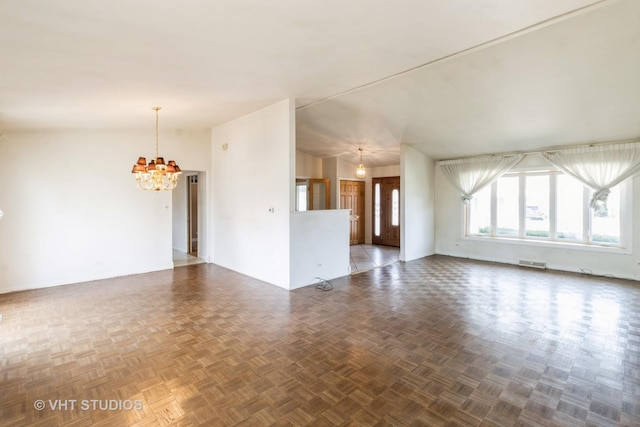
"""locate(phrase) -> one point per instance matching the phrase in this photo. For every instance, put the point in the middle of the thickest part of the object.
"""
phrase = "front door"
(352, 197)
(386, 211)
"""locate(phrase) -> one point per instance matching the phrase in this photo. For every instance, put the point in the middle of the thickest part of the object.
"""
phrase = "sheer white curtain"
(598, 167)
(471, 175)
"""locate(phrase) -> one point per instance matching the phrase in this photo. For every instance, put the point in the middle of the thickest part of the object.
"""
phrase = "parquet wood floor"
(437, 342)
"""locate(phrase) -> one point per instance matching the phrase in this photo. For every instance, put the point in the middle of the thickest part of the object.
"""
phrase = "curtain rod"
(549, 150)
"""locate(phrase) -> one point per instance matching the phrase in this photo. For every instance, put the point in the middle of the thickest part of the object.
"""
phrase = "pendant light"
(361, 171)
(156, 175)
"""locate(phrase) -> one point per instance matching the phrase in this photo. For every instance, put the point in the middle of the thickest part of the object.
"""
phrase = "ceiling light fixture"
(156, 175)
(361, 171)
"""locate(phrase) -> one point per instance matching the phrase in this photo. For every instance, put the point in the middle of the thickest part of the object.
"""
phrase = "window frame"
(626, 211)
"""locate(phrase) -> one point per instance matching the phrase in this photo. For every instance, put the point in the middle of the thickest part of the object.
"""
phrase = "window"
(536, 197)
(376, 210)
(480, 213)
(301, 195)
(395, 207)
(605, 224)
(545, 206)
(570, 222)
(507, 211)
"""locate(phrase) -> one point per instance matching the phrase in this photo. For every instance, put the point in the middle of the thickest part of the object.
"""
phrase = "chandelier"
(360, 171)
(156, 175)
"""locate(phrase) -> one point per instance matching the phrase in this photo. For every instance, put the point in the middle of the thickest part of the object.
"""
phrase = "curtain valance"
(599, 167)
(473, 174)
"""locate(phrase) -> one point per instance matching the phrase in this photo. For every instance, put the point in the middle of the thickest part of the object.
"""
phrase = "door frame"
(191, 213)
(380, 240)
(362, 228)
(179, 217)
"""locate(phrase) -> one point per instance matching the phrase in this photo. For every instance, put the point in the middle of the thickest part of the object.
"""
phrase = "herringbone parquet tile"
(435, 342)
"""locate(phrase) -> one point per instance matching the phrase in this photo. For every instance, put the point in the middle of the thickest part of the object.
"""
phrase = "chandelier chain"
(157, 151)
(156, 175)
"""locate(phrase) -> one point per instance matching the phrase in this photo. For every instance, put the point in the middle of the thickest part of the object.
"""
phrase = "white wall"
(203, 216)
(179, 219)
(73, 212)
(347, 170)
(449, 231)
(330, 170)
(253, 193)
(308, 166)
(417, 212)
(319, 246)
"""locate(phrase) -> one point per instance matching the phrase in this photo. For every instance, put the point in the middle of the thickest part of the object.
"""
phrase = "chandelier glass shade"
(361, 172)
(157, 175)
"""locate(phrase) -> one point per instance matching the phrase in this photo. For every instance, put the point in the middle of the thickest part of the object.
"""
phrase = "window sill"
(551, 244)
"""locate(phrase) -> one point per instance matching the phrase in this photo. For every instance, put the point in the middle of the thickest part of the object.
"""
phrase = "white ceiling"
(452, 78)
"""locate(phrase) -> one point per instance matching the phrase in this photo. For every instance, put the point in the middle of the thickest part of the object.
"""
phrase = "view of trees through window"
(544, 206)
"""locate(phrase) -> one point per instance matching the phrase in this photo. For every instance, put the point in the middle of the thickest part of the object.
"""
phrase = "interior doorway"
(189, 219)
(352, 197)
(386, 211)
(192, 214)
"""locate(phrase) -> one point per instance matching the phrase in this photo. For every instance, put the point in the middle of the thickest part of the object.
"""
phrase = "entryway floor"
(180, 259)
(366, 257)
(362, 257)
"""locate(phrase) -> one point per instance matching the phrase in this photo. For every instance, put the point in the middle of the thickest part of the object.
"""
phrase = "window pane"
(537, 206)
(569, 208)
(508, 216)
(480, 212)
(605, 224)
(376, 210)
(395, 207)
(301, 197)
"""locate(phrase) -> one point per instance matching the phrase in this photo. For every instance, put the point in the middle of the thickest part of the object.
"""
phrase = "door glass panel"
(376, 210)
(318, 194)
(319, 191)
(395, 207)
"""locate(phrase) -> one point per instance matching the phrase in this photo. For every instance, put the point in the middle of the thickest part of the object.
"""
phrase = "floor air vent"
(532, 264)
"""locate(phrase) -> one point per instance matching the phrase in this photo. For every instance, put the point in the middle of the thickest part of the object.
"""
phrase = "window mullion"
(586, 216)
(553, 200)
(521, 206)
(494, 208)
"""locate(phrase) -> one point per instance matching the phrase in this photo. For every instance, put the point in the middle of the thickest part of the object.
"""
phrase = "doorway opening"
(366, 257)
(192, 214)
(189, 201)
